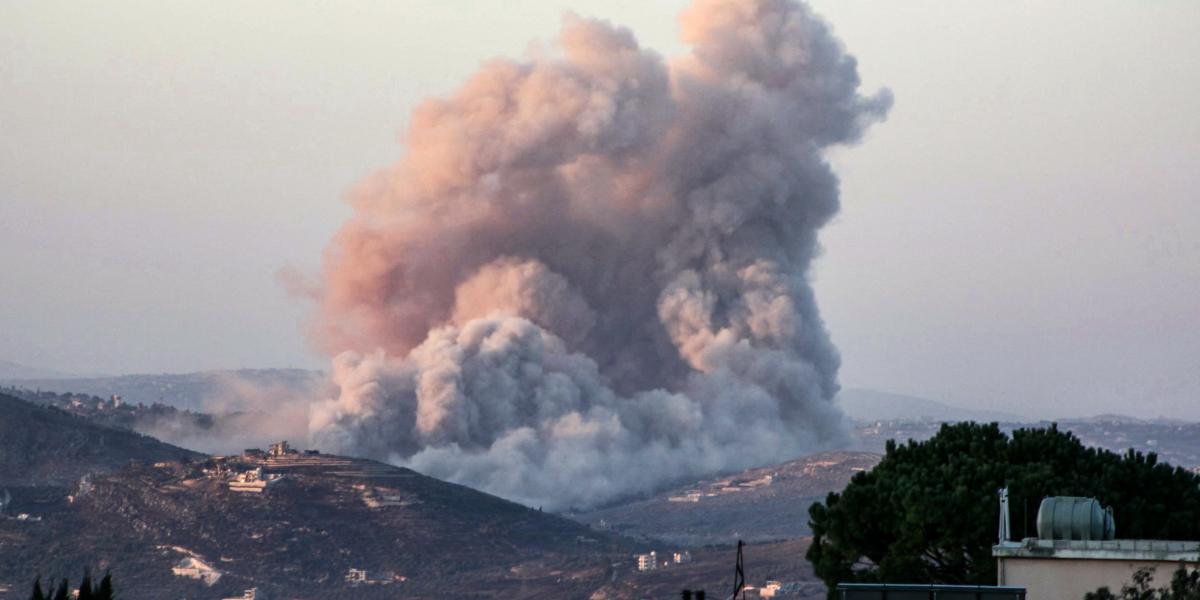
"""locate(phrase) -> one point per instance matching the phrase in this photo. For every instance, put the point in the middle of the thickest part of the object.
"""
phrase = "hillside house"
(776, 589)
(194, 568)
(280, 449)
(771, 589)
(254, 481)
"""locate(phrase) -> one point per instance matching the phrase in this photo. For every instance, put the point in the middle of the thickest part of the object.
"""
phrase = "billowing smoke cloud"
(237, 410)
(588, 274)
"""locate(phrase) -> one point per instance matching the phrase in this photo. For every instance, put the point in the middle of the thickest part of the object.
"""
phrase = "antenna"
(1005, 523)
(739, 575)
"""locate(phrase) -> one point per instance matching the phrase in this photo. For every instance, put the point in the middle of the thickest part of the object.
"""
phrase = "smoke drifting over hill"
(587, 275)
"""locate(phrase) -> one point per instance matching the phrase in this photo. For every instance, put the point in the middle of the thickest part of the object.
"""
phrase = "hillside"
(414, 535)
(202, 390)
(868, 406)
(1174, 442)
(769, 503)
(46, 446)
(711, 569)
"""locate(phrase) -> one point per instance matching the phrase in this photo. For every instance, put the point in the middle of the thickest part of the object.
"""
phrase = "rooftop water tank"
(1072, 518)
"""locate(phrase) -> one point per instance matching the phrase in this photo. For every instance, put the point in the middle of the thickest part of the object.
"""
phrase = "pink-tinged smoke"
(588, 275)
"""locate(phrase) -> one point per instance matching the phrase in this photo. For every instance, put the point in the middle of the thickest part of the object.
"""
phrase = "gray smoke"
(588, 274)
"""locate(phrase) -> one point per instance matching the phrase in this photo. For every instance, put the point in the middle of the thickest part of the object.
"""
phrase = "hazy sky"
(1023, 233)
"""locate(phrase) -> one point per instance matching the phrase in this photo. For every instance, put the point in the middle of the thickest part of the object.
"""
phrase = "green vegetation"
(928, 512)
(1185, 585)
(87, 591)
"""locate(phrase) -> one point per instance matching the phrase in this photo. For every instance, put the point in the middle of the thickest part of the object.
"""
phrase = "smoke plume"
(587, 276)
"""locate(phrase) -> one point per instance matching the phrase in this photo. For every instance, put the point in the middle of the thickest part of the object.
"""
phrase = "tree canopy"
(928, 512)
(1185, 585)
(87, 590)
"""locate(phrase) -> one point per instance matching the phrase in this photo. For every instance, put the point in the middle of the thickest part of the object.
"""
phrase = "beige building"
(648, 562)
(1068, 569)
(1076, 552)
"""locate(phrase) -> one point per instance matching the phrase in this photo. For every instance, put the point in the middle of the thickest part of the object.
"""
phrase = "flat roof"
(893, 591)
(921, 587)
(1149, 550)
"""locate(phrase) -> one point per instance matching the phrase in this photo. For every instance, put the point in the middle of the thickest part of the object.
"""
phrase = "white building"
(254, 481)
(647, 562)
(356, 576)
(250, 594)
(280, 449)
(194, 568)
(682, 557)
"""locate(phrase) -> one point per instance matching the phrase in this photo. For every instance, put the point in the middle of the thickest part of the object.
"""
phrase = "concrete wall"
(1071, 578)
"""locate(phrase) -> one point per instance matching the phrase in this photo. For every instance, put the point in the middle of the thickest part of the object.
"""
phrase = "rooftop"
(1156, 550)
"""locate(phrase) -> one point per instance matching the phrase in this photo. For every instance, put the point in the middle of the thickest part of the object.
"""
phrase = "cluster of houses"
(650, 562)
(723, 486)
(254, 481)
(771, 589)
(277, 450)
(361, 577)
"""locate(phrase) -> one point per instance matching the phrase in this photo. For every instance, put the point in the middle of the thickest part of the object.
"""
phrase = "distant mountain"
(12, 370)
(46, 446)
(184, 390)
(768, 503)
(1115, 418)
(412, 536)
(871, 405)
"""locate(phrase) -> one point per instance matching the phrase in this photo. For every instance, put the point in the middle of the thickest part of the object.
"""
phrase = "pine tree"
(85, 587)
(105, 592)
(38, 594)
(63, 593)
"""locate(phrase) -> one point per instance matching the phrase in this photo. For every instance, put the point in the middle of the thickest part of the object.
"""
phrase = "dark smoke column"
(588, 274)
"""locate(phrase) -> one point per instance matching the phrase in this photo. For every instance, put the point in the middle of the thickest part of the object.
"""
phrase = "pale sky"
(1022, 233)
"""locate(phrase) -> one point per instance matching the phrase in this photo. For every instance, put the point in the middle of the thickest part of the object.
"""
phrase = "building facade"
(1068, 569)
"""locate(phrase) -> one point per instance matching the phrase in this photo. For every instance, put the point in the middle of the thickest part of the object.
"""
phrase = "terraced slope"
(415, 536)
(769, 503)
